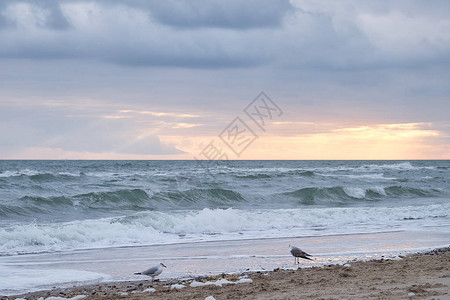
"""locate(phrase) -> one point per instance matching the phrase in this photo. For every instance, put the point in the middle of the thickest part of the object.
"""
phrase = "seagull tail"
(306, 257)
(138, 273)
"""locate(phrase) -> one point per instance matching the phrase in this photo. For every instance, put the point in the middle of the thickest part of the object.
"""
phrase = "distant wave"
(238, 172)
(255, 176)
(362, 176)
(278, 174)
(26, 172)
(254, 173)
(38, 175)
(403, 166)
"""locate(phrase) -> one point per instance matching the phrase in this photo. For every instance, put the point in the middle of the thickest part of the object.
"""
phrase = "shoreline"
(417, 276)
(25, 274)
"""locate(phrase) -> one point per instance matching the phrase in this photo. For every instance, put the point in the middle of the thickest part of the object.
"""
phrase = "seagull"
(298, 253)
(153, 271)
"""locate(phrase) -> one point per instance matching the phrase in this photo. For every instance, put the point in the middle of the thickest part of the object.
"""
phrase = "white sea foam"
(377, 176)
(220, 282)
(78, 297)
(403, 166)
(355, 192)
(360, 193)
(17, 279)
(396, 166)
(177, 286)
(154, 227)
(329, 170)
(26, 172)
(378, 189)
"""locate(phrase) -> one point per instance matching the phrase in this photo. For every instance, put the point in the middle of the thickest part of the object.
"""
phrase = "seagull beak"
(164, 265)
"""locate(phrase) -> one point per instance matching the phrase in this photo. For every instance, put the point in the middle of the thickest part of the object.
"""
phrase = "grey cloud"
(211, 60)
(234, 34)
(235, 14)
(51, 127)
(113, 137)
(148, 145)
(116, 35)
(98, 138)
(54, 18)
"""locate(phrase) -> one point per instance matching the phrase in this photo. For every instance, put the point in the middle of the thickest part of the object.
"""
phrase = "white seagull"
(153, 271)
(298, 253)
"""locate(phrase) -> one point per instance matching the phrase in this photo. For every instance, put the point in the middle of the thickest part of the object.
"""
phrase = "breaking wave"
(134, 200)
(156, 227)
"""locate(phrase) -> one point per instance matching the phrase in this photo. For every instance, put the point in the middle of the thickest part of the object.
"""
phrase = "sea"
(60, 218)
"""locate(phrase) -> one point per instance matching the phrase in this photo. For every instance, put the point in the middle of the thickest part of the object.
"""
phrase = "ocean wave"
(401, 166)
(26, 172)
(277, 174)
(255, 176)
(317, 195)
(327, 170)
(156, 227)
(39, 175)
(125, 199)
(198, 198)
(120, 199)
(375, 176)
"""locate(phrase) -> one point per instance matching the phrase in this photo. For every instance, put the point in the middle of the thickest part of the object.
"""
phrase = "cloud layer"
(228, 34)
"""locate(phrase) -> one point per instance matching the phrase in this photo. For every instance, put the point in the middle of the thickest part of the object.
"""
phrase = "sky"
(247, 79)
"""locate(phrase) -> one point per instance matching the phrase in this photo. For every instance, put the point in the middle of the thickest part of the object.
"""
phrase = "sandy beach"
(418, 276)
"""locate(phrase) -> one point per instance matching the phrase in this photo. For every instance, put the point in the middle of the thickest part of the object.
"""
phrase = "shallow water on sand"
(46, 270)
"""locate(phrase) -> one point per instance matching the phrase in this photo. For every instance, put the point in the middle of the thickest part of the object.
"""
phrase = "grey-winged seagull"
(298, 253)
(153, 271)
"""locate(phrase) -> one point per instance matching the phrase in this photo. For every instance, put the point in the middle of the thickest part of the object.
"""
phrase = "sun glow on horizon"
(381, 141)
(291, 141)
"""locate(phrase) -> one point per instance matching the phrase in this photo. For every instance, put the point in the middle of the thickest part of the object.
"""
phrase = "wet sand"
(419, 276)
